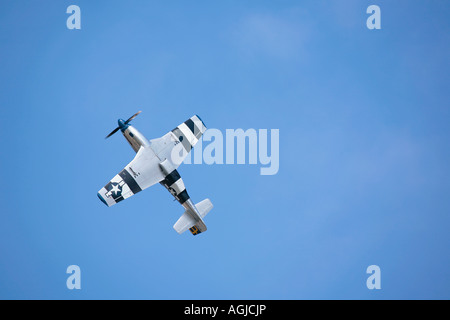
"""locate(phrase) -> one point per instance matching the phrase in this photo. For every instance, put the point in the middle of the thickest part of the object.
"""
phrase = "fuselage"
(133, 136)
(137, 140)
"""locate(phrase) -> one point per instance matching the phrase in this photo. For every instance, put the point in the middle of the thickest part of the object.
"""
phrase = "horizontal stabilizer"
(187, 221)
(204, 207)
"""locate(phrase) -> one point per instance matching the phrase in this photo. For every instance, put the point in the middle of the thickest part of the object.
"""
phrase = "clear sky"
(364, 173)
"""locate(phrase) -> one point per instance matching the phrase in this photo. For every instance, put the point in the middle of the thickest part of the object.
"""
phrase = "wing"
(138, 175)
(175, 145)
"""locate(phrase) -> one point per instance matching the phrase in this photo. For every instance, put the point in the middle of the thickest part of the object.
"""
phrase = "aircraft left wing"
(176, 144)
(142, 172)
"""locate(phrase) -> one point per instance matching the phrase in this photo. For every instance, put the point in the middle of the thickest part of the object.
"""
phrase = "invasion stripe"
(190, 124)
(198, 126)
(108, 186)
(171, 178)
(178, 186)
(182, 138)
(188, 133)
(129, 180)
(183, 197)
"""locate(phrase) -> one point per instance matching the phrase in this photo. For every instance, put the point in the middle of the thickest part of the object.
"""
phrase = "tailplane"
(187, 221)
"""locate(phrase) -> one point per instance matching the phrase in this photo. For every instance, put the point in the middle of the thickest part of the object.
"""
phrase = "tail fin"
(186, 221)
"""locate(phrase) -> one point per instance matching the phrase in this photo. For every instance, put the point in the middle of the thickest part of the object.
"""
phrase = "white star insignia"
(115, 188)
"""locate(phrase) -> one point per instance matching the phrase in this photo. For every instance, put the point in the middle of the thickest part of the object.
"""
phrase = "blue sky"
(364, 149)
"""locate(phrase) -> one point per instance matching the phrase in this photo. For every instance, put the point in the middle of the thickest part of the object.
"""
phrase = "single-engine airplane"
(156, 161)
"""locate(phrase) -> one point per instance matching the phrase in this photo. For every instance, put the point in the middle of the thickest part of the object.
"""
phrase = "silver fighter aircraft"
(156, 161)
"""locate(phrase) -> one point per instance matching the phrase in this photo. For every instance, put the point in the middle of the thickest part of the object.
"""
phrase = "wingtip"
(101, 198)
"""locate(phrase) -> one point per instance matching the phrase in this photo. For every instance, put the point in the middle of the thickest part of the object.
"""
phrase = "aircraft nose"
(121, 123)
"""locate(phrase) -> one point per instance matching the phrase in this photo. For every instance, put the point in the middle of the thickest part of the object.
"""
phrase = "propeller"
(132, 117)
(112, 132)
(123, 124)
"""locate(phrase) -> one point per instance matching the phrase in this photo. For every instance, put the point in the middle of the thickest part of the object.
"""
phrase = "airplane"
(156, 161)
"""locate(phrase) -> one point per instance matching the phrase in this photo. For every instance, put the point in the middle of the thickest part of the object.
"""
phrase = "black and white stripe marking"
(122, 186)
(189, 132)
(175, 185)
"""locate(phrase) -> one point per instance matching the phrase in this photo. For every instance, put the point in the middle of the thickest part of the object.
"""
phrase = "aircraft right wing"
(142, 172)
